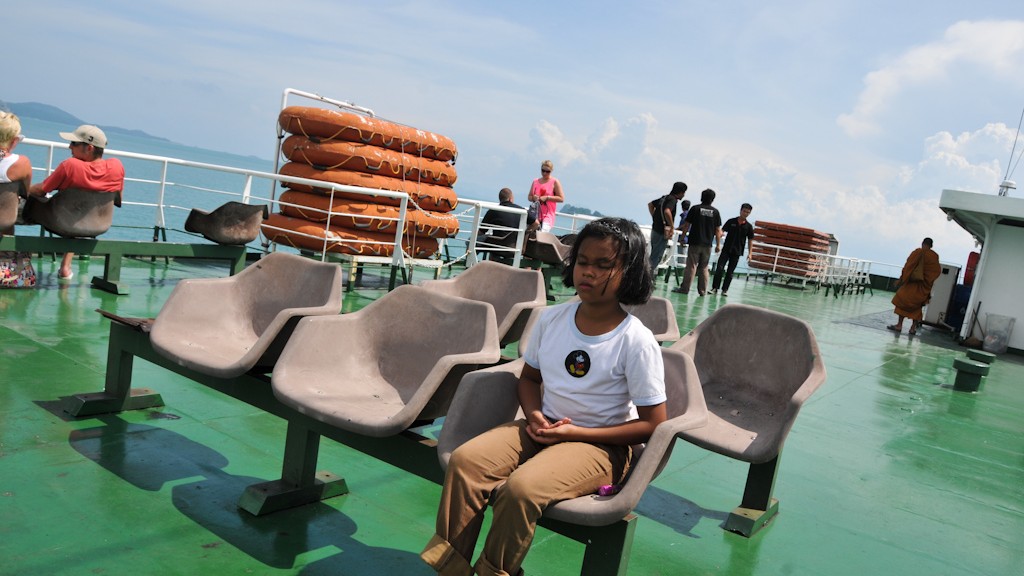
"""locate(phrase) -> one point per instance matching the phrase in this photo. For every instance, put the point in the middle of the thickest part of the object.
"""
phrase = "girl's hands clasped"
(547, 433)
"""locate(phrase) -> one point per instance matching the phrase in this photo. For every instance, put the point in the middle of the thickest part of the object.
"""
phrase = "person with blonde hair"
(15, 169)
(546, 191)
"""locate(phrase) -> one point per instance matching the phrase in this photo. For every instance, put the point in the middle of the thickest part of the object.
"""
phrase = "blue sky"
(848, 117)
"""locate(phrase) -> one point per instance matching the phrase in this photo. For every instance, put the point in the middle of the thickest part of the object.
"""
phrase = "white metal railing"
(843, 272)
(181, 195)
(835, 271)
(172, 187)
(774, 260)
(477, 233)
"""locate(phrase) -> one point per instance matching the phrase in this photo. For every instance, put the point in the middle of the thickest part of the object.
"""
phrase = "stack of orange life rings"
(803, 260)
(355, 150)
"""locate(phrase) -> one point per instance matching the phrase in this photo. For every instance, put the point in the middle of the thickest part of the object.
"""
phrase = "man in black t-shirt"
(739, 234)
(704, 225)
(663, 214)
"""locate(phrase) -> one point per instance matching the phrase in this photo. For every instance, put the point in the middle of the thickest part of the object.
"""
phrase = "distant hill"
(49, 113)
(570, 209)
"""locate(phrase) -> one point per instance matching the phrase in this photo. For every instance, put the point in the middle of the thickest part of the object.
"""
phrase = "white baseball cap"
(86, 134)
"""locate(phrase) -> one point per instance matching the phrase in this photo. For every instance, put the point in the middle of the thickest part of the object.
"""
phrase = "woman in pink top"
(546, 191)
(85, 170)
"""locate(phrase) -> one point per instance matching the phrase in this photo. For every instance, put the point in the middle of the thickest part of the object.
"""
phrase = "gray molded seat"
(398, 360)
(8, 205)
(513, 292)
(757, 368)
(547, 248)
(225, 327)
(659, 316)
(73, 213)
(233, 223)
(487, 398)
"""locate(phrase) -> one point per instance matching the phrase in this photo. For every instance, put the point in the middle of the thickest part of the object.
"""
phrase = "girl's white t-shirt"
(595, 380)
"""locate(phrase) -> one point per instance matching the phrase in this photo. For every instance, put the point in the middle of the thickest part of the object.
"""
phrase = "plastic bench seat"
(232, 224)
(398, 360)
(513, 293)
(227, 326)
(757, 368)
(73, 213)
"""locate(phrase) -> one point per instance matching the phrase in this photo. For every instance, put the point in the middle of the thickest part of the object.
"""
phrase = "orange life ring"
(427, 196)
(295, 232)
(790, 242)
(333, 124)
(339, 154)
(786, 228)
(363, 215)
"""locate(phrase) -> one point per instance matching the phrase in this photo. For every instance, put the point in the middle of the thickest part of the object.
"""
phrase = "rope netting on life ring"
(430, 164)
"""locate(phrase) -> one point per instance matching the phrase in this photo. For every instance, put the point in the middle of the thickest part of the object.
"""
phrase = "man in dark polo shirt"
(704, 226)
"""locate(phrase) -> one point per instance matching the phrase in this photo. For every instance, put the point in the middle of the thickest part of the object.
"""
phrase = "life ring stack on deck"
(355, 150)
(792, 250)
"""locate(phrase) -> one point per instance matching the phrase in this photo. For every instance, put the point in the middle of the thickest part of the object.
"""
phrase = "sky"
(846, 116)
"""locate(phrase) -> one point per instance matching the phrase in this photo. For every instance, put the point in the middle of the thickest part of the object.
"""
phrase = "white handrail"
(167, 189)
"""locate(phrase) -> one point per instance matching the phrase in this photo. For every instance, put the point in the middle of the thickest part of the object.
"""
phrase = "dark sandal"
(893, 327)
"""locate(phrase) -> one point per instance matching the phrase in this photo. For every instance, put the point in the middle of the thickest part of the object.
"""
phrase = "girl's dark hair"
(637, 281)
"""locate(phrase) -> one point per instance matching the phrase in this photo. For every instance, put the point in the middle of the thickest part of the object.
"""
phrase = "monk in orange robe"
(915, 286)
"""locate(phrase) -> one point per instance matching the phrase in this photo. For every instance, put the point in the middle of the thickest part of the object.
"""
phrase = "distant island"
(570, 209)
(48, 113)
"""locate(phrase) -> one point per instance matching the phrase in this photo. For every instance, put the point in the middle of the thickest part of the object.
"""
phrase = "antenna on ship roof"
(1007, 184)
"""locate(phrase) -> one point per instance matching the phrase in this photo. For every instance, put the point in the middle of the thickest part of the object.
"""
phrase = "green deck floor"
(887, 470)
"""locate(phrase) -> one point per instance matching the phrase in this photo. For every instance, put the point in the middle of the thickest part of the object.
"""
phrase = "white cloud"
(547, 140)
(988, 46)
(880, 221)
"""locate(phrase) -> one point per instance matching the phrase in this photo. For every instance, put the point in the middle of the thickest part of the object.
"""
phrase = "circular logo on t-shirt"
(577, 363)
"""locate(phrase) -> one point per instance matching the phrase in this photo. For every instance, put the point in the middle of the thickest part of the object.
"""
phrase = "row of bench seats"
(418, 353)
(76, 218)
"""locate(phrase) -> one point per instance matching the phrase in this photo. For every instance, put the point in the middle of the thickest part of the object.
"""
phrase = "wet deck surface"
(887, 470)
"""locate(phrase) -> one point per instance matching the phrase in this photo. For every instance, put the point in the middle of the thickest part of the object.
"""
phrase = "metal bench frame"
(607, 547)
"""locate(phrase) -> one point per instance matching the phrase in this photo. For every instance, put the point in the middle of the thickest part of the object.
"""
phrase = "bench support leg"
(110, 281)
(607, 547)
(758, 507)
(300, 483)
(117, 395)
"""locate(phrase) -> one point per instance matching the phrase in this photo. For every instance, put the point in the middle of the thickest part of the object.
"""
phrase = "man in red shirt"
(85, 170)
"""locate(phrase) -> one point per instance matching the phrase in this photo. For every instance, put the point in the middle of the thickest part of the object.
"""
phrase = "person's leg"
(658, 243)
(731, 263)
(702, 270)
(898, 326)
(691, 267)
(717, 282)
(559, 472)
(475, 469)
(65, 265)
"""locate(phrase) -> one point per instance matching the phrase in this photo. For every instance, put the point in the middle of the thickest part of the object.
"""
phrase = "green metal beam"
(115, 250)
